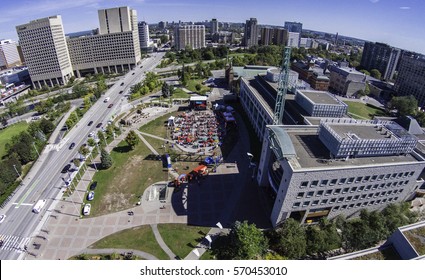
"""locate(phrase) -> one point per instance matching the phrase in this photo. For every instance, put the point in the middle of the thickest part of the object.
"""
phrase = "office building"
(214, 26)
(162, 24)
(189, 35)
(16, 75)
(320, 104)
(346, 81)
(411, 77)
(115, 49)
(251, 33)
(144, 39)
(294, 27)
(9, 55)
(381, 57)
(45, 51)
(338, 167)
(273, 36)
(293, 40)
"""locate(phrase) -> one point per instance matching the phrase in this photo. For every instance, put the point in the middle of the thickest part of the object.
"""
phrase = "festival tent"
(171, 121)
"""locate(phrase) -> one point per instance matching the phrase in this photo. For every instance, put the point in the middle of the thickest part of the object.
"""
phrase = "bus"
(39, 205)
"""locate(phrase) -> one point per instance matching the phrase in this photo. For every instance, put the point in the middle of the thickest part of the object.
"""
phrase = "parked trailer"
(39, 205)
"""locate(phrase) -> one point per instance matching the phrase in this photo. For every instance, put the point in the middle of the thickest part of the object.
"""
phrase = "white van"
(106, 99)
(39, 205)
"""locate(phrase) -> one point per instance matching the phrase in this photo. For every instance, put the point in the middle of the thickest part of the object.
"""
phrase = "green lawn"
(363, 111)
(180, 238)
(191, 84)
(138, 238)
(179, 93)
(7, 134)
(120, 186)
(157, 126)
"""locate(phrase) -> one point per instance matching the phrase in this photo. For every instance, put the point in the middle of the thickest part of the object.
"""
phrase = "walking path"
(161, 242)
(154, 136)
(146, 143)
(108, 251)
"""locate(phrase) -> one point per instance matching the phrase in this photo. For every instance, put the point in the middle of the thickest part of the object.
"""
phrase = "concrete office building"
(346, 81)
(189, 35)
(295, 27)
(9, 55)
(411, 77)
(251, 33)
(144, 40)
(273, 36)
(381, 57)
(320, 104)
(115, 49)
(214, 26)
(338, 167)
(45, 51)
(293, 40)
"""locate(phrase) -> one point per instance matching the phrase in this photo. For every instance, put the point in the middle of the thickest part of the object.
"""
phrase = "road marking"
(27, 193)
(12, 242)
(23, 204)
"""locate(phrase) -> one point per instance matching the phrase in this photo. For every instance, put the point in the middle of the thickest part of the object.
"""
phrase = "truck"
(39, 205)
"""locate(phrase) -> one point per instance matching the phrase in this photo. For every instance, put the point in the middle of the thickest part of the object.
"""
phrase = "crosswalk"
(12, 242)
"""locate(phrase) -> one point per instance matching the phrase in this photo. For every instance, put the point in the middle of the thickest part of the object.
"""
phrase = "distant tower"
(336, 39)
(143, 35)
(296, 27)
(251, 33)
(214, 26)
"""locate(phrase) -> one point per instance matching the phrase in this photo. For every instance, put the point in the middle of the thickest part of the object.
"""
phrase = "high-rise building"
(381, 57)
(266, 34)
(280, 36)
(115, 49)
(162, 25)
(143, 35)
(293, 40)
(9, 55)
(411, 77)
(272, 35)
(251, 33)
(189, 35)
(293, 26)
(45, 50)
(214, 26)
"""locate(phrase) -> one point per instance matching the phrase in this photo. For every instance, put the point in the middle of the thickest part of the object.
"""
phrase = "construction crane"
(282, 87)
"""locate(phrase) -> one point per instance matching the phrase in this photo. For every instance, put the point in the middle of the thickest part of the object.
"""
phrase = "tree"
(165, 89)
(101, 137)
(291, 240)
(105, 159)
(76, 162)
(46, 126)
(365, 72)
(91, 142)
(244, 242)
(405, 105)
(84, 150)
(375, 73)
(132, 139)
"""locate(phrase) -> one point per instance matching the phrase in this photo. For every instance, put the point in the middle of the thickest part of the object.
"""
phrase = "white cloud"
(404, 8)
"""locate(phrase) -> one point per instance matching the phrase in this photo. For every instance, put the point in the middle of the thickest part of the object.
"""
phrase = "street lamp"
(19, 175)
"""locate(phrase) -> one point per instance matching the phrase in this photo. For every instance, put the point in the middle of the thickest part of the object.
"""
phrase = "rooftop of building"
(320, 97)
(13, 70)
(311, 153)
(360, 131)
(345, 70)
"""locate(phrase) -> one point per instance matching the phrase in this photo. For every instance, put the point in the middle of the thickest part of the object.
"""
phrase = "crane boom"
(282, 87)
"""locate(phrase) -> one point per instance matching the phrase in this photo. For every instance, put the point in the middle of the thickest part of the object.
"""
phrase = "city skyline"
(397, 23)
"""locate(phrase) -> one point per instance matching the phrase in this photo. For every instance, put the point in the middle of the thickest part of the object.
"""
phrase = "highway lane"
(45, 180)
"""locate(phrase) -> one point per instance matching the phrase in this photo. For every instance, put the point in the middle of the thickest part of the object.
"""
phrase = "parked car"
(86, 209)
(98, 125)
(91, 134)
(72, 146)
(121, 92)
(66, 168)
(93, 186)
(90, 123)
(110, 105)
(2, 218)
(122, 83)
(90, 196)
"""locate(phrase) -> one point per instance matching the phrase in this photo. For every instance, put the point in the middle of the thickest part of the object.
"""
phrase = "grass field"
(179, 93)
(120, 186)
(180, 238)
(7, 134)
(138, 238)
(191, 85)
(363, 111)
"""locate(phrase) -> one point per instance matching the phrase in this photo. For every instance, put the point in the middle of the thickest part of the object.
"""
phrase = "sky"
(399, 23)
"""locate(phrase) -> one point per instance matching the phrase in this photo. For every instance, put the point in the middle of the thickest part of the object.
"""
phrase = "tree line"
(291, 240)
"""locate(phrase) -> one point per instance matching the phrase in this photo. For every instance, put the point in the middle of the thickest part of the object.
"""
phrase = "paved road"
(45, 181)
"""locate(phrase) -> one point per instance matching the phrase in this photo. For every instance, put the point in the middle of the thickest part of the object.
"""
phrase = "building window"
(344, 207)
(295, 205)
(370, 195)
(304, 184)
(328, 192)
(314, 184)
(375, 187)
(310, 194)
(380, 177)
(366, 178)
(324, 201)
(368, 187)
(372, 202)
(333, 200)
(353, 189)
(359, 179)
(350, 180)
(336, 208)
(319, 193)
(345, 190)
(356, 197)
(358, 204)
(350, 206)
(361, 188)
(387, 176)
(324, 183)
(411, 173)
(337, 191)
(363, 196)
(342, 181)
(349, 198)
(374, 177)
(306, 203)
(315, 202)
(300, 195)
(341, 199)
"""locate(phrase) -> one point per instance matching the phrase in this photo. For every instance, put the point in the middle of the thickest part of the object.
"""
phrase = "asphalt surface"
(45, 180)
